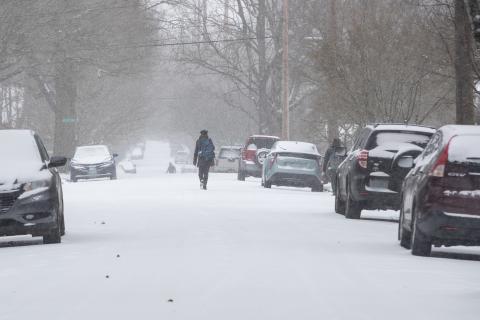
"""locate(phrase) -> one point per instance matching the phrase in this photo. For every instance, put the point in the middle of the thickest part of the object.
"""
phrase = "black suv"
(253, 154)
(31, 199)
(372, 174)
(441, 194)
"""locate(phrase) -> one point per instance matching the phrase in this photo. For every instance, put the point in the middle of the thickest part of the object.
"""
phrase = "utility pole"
(285, 93)
(465, 110)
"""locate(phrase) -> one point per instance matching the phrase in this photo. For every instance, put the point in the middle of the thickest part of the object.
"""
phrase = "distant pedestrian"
(330, 153)
(204, 157)
(171, 168)
(331, 161)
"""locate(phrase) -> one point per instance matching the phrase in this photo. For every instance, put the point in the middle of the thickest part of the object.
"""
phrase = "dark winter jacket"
(199, 160)
(330, 154)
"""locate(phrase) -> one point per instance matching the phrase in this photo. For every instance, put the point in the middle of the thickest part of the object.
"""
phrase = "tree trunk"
(463, 65)
(65, 113)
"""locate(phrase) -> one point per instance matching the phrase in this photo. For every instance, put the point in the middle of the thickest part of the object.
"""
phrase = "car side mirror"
(406, 162)
(340, 151)
(57, 162)
(115, 155)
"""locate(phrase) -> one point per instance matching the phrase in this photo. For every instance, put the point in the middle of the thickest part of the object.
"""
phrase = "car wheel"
(421, 245)
(241, 175)
(55, 234)
(73, 178)
(267, 184)
(317, 188)
(62, 222)
(404, 235)
(353, 208)
(339, 203)
(113, 175)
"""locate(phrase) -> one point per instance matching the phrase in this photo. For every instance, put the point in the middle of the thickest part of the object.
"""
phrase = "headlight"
(75, 165)
(35, 185)
(106, 164)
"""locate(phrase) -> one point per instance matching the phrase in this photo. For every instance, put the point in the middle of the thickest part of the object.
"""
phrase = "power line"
(172, 44)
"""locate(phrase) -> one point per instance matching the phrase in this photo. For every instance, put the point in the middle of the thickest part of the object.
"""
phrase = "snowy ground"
(236, 251)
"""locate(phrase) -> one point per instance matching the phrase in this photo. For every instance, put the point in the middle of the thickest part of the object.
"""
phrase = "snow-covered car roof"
(403, 127)
(17, 132)
(457, 129)
(263, 136)
(93, 146)
(295, 147)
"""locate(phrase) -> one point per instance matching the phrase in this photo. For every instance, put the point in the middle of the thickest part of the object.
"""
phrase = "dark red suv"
(253, 154)
(441, 194)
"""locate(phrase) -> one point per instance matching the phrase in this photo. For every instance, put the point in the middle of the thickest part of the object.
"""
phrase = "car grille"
(7, 199)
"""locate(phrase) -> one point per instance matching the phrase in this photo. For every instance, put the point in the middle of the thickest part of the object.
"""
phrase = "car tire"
(62, 221)
(113, 175)
(54, 235)
(421, 245)
(404, 235)
(73, 178)
(317, 188)
(339, 203)
(267, 184)
(353, 209)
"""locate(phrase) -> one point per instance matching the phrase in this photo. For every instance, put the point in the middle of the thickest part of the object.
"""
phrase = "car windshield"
(262, 142)
(229, 153)
(91, 151)
(397, 137)
(17, 148)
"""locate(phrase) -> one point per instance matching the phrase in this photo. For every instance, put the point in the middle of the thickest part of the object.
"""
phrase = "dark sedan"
(441, 194)
(31, 199)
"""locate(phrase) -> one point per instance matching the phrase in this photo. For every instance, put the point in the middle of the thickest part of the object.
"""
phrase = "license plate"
(379, 183)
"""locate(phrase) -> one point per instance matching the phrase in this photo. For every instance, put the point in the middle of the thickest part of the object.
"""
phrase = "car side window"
(42, 149)
(361, 139)
(433, 145)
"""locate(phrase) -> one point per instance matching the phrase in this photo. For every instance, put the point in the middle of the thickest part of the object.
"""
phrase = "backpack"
(207, 150)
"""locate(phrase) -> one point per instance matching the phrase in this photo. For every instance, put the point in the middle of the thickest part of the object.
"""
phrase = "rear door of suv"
(461, 181)
(385, 149)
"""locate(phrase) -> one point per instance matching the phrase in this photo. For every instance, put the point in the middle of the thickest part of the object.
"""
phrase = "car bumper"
(252, 169)
(85, 173)
(447, 228)
(295, 179)
(33, 215)
(374, 198)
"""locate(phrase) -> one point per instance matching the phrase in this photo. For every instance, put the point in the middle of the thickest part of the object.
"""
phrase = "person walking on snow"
(204, 157)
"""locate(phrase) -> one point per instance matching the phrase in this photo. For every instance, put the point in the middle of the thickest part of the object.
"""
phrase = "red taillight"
(439, 167)
(250, 155)
(362, 158)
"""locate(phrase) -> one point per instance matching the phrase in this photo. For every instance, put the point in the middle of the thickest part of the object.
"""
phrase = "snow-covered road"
(236, 251)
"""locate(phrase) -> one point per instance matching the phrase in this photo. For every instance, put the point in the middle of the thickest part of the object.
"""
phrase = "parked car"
(137, 153)
(31, 198)
(182, 157)
(371, 176)
(90, 162)
(128, 166)
(227, 159)
(441, 194)
(253, 154)
(294, 164)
